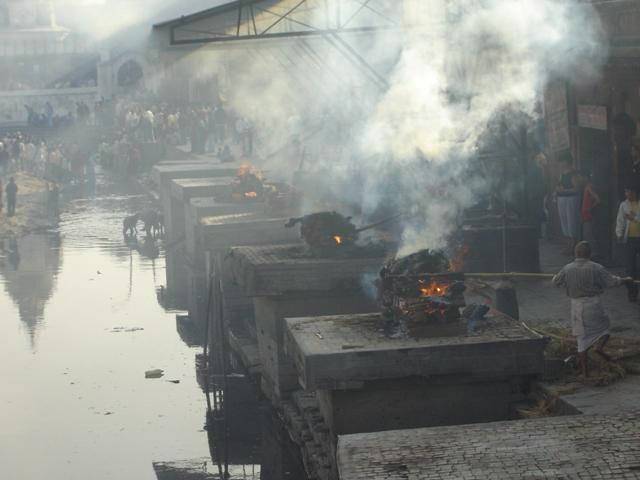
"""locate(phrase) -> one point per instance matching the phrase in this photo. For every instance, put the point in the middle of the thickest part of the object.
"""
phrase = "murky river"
(81, 320)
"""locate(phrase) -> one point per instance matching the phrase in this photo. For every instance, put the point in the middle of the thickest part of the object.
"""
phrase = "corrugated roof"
(222, 7)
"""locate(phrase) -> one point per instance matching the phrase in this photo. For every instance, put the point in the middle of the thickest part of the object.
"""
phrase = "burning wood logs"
(248, 184)
(407, 291)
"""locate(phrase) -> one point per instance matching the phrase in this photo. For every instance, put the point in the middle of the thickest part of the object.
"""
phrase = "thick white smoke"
(406, 137)
(480, 59)
(400, 133)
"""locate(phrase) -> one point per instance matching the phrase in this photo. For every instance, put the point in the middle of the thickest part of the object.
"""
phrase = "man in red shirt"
(590, 200)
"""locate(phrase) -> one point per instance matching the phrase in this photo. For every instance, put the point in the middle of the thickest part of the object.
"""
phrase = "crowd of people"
(208, 128)
(120, 135)
(50, 159)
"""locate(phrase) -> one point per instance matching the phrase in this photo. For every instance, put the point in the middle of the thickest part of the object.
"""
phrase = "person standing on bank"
(628, 232)
(585, 281)
(569, 202)
(590, 202)
(12, 193)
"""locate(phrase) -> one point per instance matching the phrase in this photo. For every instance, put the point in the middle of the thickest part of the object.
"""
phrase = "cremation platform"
(209, 241)
(162, 174)
(247, 228)
(584, 447)
(200, 207)
(184, 189)
(272, 271)
(367, 381)
(285, 281)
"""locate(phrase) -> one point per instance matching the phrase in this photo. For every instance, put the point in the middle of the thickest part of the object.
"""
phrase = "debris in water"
(126, 329)
(155, 373)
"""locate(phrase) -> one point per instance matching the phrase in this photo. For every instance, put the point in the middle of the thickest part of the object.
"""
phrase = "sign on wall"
(592, 116)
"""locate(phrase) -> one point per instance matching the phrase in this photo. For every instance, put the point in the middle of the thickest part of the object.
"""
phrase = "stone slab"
(200, 207)
(196, 234)
(275, 270)
(581, 446)
(249, 228)
(270, 313)
(184, 189)
(331, 350)
(161, 174)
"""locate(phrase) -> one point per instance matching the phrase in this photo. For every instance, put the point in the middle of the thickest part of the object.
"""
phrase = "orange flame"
(250, 194)
(246, 169)
(433, 289)
(338, 239)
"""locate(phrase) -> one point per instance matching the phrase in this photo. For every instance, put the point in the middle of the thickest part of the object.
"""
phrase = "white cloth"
(589, 321)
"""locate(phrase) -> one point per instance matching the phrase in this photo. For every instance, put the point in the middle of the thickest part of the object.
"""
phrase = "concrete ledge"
(183, 189)
(331, 350)
(161, 174)
(206, 206)
(279, 269)
(248, 228)
(557, 447)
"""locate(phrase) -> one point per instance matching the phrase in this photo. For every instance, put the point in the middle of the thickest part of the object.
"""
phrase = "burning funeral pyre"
(248, 184)
(421, 287)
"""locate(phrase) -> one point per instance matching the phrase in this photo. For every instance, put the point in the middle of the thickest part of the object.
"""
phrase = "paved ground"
(573, 447)
(541, 302)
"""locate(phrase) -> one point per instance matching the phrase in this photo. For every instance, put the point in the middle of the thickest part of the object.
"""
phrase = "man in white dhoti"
(585, 281)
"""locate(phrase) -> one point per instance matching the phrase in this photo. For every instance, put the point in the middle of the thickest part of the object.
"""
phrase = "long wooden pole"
(484, 275)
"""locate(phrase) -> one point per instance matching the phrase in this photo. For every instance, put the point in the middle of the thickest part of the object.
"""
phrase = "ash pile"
(423, 292)
(331, 234)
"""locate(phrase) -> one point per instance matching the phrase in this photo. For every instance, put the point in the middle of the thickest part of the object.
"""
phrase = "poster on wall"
(556, 115)
(592, 116)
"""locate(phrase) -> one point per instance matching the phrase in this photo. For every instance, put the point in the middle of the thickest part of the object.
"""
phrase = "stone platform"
(200, 207)
(269, 271)
(285, 281)
(332, 350)
(209, 240)
(184, 189)
(162, 173)
(570, 447)
(366, 381)
(248, 228)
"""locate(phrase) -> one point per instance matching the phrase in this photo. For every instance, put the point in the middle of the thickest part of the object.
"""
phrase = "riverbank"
(31, 207)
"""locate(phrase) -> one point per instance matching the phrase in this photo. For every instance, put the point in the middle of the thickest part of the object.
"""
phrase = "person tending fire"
(585, 281)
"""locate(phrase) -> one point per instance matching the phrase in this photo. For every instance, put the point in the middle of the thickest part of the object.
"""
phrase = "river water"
(81, 320)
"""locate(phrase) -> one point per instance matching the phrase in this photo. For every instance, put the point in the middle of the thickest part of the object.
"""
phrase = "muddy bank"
(31, 207)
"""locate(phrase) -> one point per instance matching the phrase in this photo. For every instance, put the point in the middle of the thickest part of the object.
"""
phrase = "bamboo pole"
(484, 275)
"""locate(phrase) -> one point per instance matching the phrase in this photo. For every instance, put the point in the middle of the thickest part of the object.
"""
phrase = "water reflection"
(106, 324)
(30, 279)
